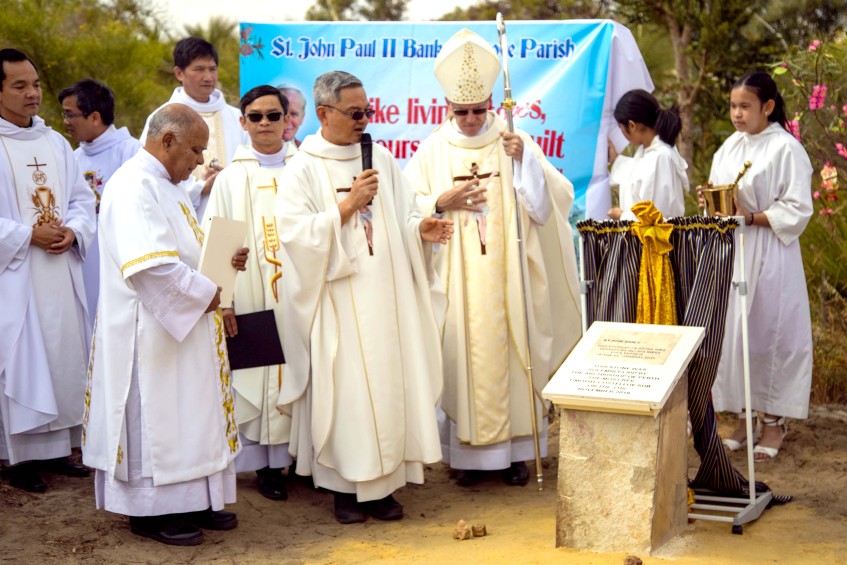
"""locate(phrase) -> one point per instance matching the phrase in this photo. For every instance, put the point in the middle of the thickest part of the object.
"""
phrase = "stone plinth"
(622, 477)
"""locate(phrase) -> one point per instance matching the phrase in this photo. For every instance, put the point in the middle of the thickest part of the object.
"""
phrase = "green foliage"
(110, 41)
(368, 10)
(820, 122)
(531, 10)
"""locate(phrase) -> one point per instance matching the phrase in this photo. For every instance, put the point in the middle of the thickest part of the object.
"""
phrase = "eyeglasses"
(256, 117)
(466, 111)
(71, 115)
(356, 115)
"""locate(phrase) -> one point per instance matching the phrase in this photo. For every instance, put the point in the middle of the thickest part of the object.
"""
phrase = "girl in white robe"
(657, 172)
(774, 197)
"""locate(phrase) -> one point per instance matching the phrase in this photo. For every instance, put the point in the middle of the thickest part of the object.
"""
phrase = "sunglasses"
(465, 111)
(256, 117)
(356, 115)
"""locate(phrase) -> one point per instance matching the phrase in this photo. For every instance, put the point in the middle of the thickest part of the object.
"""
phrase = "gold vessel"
(721, 198)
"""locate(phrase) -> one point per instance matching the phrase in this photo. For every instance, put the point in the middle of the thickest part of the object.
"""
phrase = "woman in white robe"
(657, 172)
(774, 197)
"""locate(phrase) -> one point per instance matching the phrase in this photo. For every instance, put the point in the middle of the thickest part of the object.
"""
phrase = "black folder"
(257, 343)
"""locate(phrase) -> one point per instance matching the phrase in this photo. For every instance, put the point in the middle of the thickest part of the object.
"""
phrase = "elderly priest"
(159, 425)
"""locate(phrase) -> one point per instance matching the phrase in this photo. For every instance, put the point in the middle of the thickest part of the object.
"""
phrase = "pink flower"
(825, 212)
(818, 98)
(813, 46)
(784, 65)
(841, 150)
(816, 194)
(245, 33)
(246, 49)
(844, 109)
(794, 128)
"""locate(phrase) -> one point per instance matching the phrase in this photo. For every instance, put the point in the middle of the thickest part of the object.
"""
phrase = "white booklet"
(223, 238)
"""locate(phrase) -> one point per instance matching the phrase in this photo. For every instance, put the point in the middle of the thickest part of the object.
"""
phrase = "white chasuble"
(484, 334)
(176, 351)
(247, 191)
(778, 184)
(362, 324)
(44, 352)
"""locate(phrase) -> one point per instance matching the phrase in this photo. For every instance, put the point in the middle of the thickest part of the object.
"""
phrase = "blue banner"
(558, 74)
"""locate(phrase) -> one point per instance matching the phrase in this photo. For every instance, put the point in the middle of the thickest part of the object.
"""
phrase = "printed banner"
(558, 72)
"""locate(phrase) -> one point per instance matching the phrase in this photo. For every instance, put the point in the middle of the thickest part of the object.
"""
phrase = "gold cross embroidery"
(269, 186)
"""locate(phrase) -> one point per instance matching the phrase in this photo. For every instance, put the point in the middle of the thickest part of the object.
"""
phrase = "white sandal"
(771, 452)
(734, 445)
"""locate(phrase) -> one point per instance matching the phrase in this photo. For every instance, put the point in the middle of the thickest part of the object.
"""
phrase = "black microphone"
(367, 155)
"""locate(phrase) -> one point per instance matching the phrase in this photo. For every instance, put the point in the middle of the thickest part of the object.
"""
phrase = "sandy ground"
(62, 525)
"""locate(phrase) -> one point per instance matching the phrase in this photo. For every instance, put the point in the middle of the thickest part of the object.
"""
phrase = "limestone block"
(622, 478)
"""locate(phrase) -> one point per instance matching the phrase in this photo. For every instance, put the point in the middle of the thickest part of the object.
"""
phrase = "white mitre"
(467, 68)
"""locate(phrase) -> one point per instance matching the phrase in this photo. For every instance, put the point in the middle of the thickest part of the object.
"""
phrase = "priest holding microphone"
(362, 343)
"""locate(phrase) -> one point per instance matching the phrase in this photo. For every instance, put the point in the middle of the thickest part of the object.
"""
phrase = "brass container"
(719, 199)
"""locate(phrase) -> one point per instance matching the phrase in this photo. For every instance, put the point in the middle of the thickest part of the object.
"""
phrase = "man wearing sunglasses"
(196, 68)
(363, 359)
(469, 170)
(246, 191)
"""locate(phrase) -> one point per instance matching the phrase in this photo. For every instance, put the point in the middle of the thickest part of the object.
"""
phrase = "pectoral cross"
(481, 221)
(367, 222)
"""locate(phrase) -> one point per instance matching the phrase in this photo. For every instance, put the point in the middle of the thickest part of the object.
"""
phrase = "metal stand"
(737, 510)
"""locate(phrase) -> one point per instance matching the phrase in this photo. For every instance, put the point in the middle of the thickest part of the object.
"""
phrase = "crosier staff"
(508, 104)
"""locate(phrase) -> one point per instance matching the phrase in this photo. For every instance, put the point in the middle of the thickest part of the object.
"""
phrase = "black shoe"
(211, 520)
(469, 477)
(64, 466)
(347, 509)
(517, 475)
(271, 483)
(385, 508)
(24, 476)
(168, 529)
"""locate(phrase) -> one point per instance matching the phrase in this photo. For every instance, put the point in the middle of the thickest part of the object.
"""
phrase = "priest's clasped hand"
(54, 238)
(513, 145)
(239, 260)
(436, 231)
(465, 196)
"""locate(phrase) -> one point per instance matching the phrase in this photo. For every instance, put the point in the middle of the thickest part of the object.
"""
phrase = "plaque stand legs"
(737, 510)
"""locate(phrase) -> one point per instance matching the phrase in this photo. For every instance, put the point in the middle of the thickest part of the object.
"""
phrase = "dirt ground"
(62, 526)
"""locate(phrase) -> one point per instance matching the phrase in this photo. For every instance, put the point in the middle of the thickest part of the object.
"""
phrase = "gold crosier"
(508, 104)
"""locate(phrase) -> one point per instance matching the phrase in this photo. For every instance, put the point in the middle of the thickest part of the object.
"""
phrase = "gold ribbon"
(656, 296)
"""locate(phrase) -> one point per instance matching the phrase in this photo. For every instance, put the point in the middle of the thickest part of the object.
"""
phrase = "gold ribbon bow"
(656, 296)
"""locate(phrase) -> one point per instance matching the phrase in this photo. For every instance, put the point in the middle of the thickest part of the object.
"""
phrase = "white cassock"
(780, 334)
(246, 191)
(361, 326)
(656, 173)
(225, 135)
(44, 325)
(98, 160)
(159, 425)
(486, 392)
